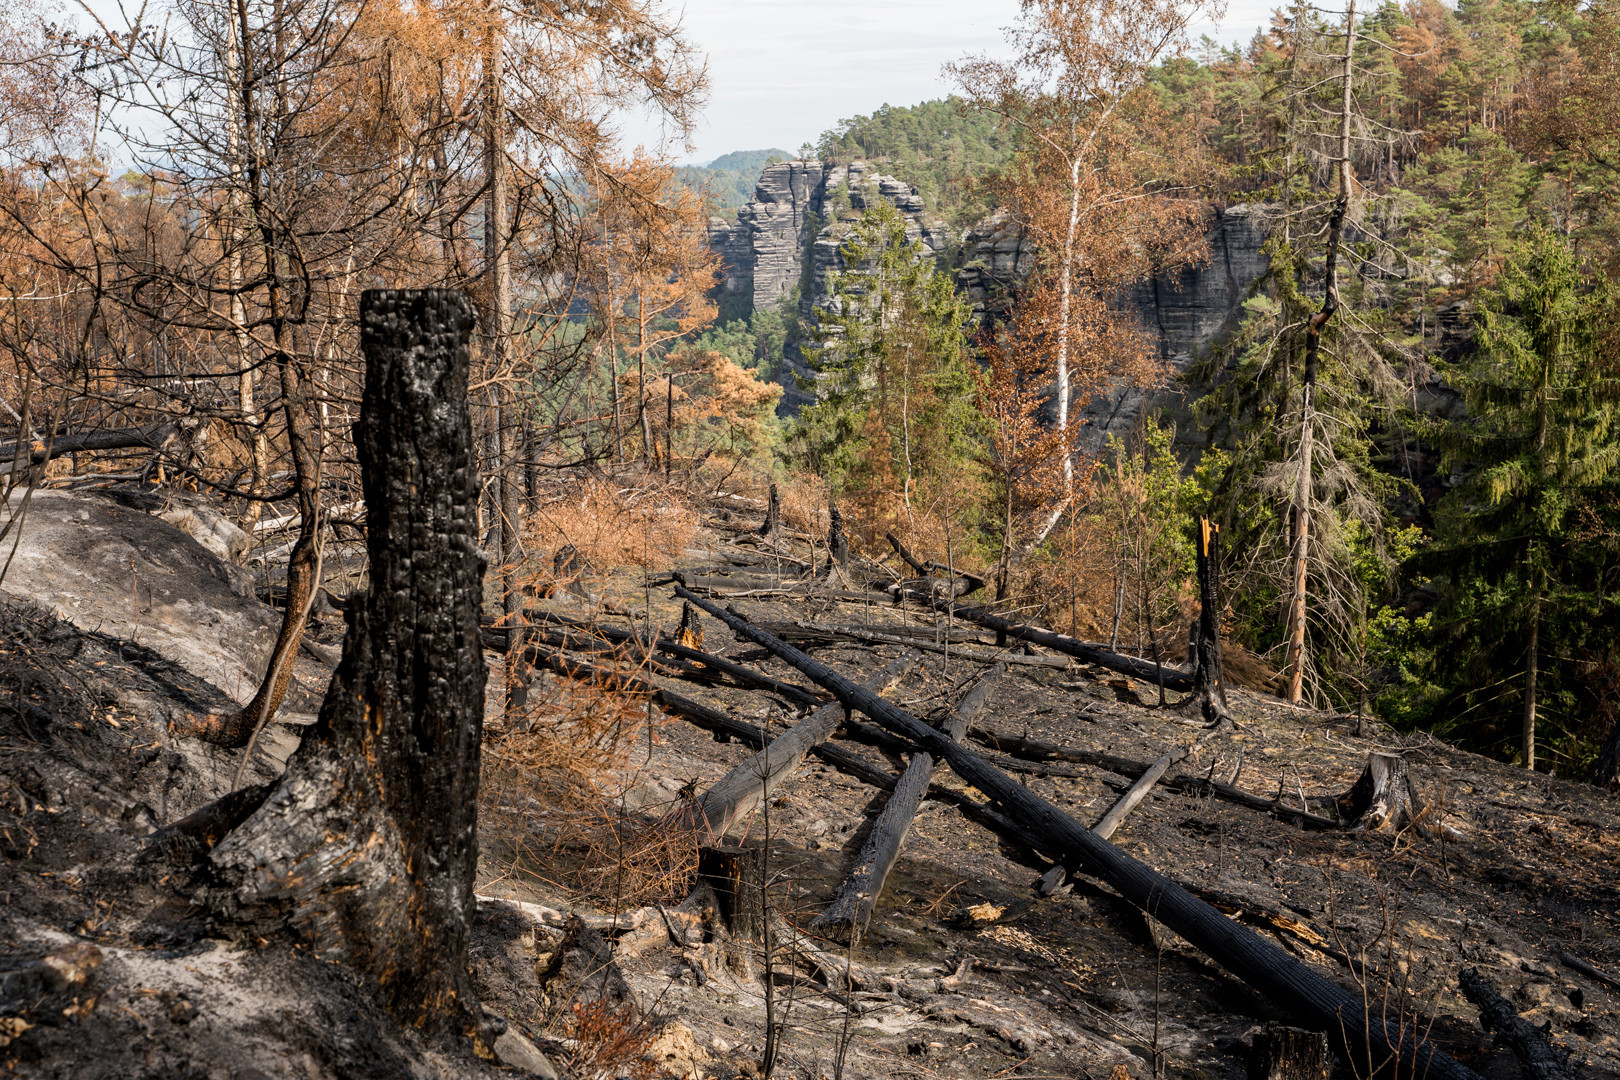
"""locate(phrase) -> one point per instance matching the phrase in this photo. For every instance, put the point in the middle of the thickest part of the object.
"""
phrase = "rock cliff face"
(789, 234)
(1181, 312)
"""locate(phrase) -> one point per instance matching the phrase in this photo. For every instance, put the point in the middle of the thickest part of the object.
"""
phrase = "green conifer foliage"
(894, 421)
(1520, 562)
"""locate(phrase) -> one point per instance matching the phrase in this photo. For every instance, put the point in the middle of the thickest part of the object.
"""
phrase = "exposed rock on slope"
(114, 570)
(789, 232)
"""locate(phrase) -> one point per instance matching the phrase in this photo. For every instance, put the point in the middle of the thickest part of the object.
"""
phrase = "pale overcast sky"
(783, 71)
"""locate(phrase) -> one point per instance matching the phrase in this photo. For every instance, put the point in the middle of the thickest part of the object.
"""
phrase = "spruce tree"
(1521, 565)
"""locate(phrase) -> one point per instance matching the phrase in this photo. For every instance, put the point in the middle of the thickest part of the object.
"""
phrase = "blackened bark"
(1538, 1057)
(1606, 770)
(846, 917)
(1209, 679)
(365, 850)
(1260, 964)
(772, 528)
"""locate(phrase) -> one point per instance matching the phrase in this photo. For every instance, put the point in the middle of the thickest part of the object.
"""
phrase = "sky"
(783, 71)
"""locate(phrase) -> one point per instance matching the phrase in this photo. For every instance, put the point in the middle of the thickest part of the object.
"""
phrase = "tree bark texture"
(365, 850)
(1260, 964)
(1209, 679)
(847, 916)
(1539, 1058)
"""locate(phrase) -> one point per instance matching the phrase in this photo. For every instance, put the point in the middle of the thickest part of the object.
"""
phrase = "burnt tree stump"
(364, 851)
(1289, 1053)
(736, 876)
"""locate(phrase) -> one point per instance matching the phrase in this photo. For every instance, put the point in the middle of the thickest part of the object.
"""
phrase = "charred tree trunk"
(772, 528)
(1209, 680)
(365, 849)
(1260, 964)
(846, 917)
(736, 876)
(1539, 1058)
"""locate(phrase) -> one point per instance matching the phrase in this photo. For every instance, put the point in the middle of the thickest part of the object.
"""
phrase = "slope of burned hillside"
(640, 755)
(982, 958)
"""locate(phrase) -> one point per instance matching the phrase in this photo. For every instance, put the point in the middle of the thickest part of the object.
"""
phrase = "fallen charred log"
(1264, 966)
(750, 783)
(1539, 1059)
(846, 917)
(1035, 750)
(1146, 670)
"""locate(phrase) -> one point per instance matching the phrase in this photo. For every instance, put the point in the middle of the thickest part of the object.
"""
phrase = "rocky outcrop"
(789, 234)
(114, 570)
(1186, 312)
(1182, 312)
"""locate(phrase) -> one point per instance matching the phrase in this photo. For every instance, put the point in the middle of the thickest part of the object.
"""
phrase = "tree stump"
(736, 875)
(365, 850)
(1383, 795)
(1289, 1053)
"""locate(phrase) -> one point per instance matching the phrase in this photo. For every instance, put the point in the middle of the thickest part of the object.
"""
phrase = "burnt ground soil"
(966, 972)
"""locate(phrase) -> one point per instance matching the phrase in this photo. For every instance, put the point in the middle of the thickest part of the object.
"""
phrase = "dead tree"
(1259, 963)
(365, 849)
(846, 917)
(771, 530)
(1209, 680)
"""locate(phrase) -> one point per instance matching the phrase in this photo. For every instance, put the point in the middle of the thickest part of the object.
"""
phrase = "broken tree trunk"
(741, 790)
(1145, 670)
(736, 876)
(1539, 1058)
(1209, 680)
(1262, 965)
(1289, 1053)
(846, 917)
(1117, 813)
(365, 849)
(771, 530)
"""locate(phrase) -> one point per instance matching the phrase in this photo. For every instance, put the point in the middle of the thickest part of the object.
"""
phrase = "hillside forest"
(1409, 435)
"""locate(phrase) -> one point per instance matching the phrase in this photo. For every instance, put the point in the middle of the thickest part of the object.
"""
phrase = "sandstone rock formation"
(789, 236)
(107, 568)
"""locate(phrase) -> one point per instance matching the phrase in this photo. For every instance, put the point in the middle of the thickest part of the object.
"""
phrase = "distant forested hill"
(729, 179)
(937, 145)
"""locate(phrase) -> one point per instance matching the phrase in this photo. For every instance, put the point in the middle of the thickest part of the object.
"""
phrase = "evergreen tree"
(1521, 565)
(894, 419)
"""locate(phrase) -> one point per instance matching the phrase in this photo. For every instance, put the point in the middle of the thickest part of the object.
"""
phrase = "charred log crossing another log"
(1264, 966)
(846, 917)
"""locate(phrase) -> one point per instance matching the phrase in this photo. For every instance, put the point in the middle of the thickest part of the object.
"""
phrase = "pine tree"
(894, 416)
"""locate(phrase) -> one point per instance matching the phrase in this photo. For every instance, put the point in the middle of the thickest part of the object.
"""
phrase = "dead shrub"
(804, 505)
(551, 785)
(609, 1043)
(612, 527)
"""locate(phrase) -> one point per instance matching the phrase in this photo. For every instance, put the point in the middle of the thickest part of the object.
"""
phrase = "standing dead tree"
(365, 849)
(1260, 964)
